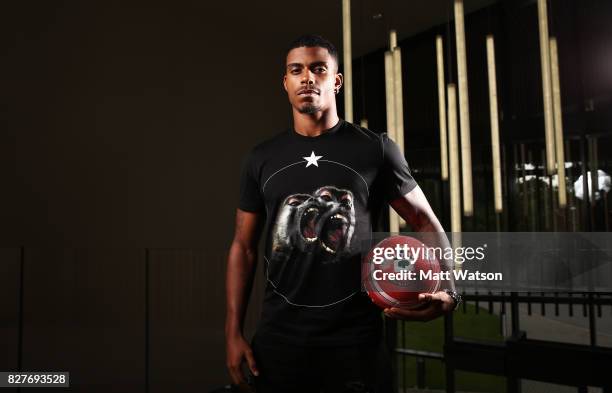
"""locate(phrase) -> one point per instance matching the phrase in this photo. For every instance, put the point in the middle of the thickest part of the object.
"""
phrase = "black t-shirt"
(318, 195)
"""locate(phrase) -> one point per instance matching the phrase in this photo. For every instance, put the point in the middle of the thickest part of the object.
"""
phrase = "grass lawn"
(430, 337)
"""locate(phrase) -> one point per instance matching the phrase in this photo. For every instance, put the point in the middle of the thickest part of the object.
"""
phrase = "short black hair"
(314, 41)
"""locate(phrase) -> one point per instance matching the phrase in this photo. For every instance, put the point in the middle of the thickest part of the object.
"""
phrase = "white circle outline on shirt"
(301, 305)
(266, 259)
(263, 188)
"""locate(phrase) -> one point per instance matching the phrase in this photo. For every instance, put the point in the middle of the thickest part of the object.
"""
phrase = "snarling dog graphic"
(321, 223)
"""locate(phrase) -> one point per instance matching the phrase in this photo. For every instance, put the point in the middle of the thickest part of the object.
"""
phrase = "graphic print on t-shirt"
(313, 233)
(321, 223)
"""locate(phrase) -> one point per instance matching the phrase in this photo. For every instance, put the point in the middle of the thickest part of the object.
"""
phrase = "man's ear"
(285, 82)
(339, 81)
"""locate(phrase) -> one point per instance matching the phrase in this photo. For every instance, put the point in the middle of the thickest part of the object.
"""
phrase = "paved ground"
(563, 328)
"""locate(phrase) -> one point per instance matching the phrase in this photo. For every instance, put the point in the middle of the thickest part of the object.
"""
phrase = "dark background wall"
(123, 126)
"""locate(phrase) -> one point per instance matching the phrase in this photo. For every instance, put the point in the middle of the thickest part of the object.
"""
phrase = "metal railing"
(518, 357)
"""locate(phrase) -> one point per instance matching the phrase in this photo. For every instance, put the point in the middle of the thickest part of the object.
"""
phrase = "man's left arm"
(415, 209)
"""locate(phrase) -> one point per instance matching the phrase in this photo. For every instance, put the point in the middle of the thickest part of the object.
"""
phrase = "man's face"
(311, 79)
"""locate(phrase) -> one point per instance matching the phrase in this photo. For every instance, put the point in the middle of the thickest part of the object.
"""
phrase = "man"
(316, 184)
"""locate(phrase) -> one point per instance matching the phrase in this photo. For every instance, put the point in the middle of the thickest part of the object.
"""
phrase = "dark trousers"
(342, 369)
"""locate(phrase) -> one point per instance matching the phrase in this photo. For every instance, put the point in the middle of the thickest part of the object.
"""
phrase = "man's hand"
(238, 349)
(431, 306)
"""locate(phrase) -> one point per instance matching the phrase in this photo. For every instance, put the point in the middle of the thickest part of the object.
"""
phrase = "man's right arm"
(241, 267)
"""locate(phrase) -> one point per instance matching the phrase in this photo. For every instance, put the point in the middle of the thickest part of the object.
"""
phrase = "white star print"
(312, 160)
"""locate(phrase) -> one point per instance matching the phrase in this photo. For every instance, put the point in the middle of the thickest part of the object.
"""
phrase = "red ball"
(395, 279)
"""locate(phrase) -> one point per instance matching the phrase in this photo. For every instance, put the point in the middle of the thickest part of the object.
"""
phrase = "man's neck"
(314, 124)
